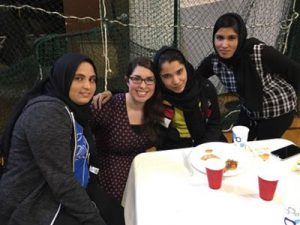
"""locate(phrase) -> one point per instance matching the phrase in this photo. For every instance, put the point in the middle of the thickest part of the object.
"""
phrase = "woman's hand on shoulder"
(101, 98)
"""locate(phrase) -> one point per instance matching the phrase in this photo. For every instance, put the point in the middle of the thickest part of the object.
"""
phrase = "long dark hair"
(153, 110)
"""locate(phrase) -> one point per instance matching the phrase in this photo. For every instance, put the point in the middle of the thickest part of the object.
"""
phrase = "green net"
(51, 47)
(14, 82)
(112, 32)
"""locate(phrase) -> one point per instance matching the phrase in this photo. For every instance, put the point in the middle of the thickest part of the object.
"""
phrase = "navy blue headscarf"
(59, 82)
(57, 85)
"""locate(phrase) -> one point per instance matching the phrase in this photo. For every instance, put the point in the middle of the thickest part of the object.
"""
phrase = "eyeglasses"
(139, 80)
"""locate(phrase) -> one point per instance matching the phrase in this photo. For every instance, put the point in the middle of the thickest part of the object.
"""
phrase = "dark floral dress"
(118, 143)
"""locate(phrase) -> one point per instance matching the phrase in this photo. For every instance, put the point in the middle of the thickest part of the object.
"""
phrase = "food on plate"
(231, 164)
(264, 156)
(209, 151)
(296, 167)
(209, 156)
(262, 149)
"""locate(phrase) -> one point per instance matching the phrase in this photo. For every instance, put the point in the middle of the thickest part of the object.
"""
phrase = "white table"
(161, 191)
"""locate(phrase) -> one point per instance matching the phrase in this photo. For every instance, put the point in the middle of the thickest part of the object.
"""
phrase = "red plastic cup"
(214, 172)
(267, 188)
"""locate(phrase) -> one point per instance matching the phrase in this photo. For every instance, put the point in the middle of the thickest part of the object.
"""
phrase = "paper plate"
(224, 151)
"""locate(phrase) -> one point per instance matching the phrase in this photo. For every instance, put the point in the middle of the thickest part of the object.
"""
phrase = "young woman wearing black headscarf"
(47, 144)
(264, 78)
(192, 115)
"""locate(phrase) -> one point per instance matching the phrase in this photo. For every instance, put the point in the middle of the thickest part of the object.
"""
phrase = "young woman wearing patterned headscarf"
(264, 79)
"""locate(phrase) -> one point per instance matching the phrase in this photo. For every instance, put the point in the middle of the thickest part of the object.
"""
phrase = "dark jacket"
(274, 63)
(170, 138)
(270, 65)
(39, 178)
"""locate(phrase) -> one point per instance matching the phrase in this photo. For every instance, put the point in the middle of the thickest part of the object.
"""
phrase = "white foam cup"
(240, 136)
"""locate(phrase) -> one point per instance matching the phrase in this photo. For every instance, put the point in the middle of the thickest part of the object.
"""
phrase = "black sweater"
(170, 139)
(273, 61)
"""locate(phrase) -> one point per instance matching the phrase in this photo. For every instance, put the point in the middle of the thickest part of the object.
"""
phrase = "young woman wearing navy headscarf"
(47, 145)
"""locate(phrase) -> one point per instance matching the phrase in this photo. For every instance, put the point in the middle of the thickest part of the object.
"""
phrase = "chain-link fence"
(294, 36)
(34, 35)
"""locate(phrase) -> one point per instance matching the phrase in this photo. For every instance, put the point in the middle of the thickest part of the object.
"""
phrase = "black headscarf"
(248, 81)
(188, 100)
(60, 79)
(56, 85)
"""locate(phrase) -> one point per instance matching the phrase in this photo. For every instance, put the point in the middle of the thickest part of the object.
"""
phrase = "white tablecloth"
(161, 191)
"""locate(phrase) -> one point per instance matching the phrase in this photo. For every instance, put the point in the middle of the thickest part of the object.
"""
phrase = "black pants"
(4, 220)
(266, 128)
(110, 209)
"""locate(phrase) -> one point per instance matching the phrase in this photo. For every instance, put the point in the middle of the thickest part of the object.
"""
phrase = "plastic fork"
(187, 165)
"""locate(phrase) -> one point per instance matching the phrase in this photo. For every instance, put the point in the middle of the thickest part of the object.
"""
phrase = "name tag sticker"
(166, 122)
